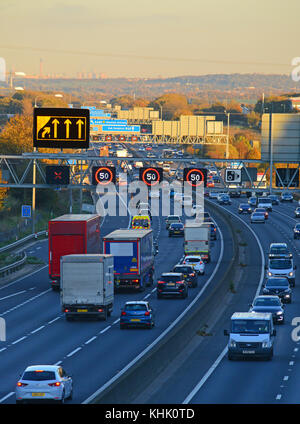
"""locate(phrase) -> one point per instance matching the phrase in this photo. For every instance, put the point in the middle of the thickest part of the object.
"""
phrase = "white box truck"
(87, 285)
(197, 240)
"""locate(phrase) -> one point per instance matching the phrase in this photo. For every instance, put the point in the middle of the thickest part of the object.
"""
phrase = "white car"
(197, 263)
(41, 382)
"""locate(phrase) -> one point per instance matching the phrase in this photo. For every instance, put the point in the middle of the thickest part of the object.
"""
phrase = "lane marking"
(105, 329)
(278, 397)
(90, 340)
(7, 396)
(166, 331)
(19, 340)
(23, 278)
(73, 352)
(24, 303)
(55, 319)
(37, 329)
(12, 295)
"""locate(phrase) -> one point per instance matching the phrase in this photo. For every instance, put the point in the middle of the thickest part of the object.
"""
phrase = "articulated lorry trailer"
(133, 254)
(87, 285)
(71, 234)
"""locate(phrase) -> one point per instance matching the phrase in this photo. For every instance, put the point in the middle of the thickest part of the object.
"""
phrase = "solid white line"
(73, 352)
(105, 329)
(90, 340)
(37, 329)
(19, 340)
(7, 396)
(166, 331)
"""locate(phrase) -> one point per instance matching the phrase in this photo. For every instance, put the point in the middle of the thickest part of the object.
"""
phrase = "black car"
(189, 274)
(297, 231)
(213, 231)
(270, 304)
(176, 230)
(274, 199)
(235, 194)
(172, 284)
(224, 200)
(278, 286)
(297, 213)
(244, 208)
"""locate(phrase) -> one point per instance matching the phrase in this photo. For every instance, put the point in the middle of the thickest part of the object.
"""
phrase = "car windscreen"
(39, 375)
(266, 302)
(278, 250)
(140, 223)
(192, 260)
(173, 218)
(135, 307)
(280, 264)
(263, 200)
(170, 278)
(250, 326)
(244, 206)
(278, 282)
(184, 269)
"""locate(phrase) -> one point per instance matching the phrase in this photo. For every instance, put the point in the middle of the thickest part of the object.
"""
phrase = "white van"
(251, 335)
(265, 202)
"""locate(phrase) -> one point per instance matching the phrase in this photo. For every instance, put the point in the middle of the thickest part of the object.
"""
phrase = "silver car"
(258, 217)
(44, 382)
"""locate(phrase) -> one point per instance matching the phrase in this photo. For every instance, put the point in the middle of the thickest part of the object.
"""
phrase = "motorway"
(94, 352)
(207, 376)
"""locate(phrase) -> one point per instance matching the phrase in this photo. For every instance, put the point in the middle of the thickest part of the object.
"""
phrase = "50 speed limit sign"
(104, 175)
(195, 176)
(151, 176)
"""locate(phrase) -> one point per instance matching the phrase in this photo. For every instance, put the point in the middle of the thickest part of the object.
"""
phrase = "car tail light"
(192, 275)
(56, 384)
(66, 310)
(147, 313)
(180, 282)
(20, 384)
(100, 310)
(200, 262)
(160, 282)
(135, 281)
(123, 313)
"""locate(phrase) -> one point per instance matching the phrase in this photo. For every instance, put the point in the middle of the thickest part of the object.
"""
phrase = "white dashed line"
(73, 352)
(90, 340)
(291, 363)
(37, 329)
(285, 378)
(55, 319)
(7, 396)
(19, 340)
(116, 321)
(105, 329)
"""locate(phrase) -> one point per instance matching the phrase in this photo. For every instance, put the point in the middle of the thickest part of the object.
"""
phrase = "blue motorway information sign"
(26, 211)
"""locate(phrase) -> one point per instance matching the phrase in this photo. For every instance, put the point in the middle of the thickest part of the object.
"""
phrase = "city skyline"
(138, 40)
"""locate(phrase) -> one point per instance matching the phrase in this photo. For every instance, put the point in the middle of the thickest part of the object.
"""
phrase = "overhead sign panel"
(195, 176)
(61, 128)
(151, 176)
(289, 177)
(57, 174)
(122, 122)
(121, 128)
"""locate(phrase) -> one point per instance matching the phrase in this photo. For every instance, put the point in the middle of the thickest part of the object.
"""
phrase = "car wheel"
(230, 357)
(62, 400)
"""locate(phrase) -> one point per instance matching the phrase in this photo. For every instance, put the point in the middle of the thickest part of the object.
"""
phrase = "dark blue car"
(137, 314)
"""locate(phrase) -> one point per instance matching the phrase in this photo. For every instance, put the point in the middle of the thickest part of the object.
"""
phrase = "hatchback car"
(213, 231)
(172, 284)
(262, 210)
(286, 197)
(278, 286)
(137, 314)
(197, 263)
(172, 219)
(297, 231)
(176, 229)
(271, 304)
(279, 250)
(189, 274)
(257, 217)
(297, 213)
(244, 208)
(44, 382)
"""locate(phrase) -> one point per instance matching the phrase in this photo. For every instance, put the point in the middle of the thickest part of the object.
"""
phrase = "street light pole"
(227, 141)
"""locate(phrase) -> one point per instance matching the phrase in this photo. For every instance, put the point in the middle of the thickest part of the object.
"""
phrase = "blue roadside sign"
(26, 211)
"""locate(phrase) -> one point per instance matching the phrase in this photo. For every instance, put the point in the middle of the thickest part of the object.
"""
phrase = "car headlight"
(265, 343)
(290, 274)
(269, 273)
(279, 313)
(232, 343)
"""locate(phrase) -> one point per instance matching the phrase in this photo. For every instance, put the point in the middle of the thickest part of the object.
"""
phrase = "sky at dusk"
(142, 38)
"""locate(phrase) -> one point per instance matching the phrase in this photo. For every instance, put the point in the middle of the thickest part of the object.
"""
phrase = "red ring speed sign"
(195, 171)
(104, 181)
(153, 182)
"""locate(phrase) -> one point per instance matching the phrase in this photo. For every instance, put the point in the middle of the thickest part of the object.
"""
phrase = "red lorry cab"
(71, 234)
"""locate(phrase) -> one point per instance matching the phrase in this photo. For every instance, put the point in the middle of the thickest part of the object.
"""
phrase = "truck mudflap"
(55, 284)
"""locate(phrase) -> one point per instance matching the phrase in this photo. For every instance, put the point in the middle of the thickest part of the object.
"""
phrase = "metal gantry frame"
(19, 168)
